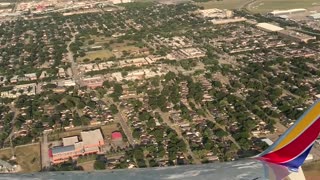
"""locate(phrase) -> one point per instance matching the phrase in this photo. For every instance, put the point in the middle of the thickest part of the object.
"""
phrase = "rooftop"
(269, 27)
(70, 140)
(62, 149)
(116, 135)
(91, 137)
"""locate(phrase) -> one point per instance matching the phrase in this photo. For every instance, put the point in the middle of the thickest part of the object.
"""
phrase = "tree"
(170, 76)
(113, 108)
(99, 165)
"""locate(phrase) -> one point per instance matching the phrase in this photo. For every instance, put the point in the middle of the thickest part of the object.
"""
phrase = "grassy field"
(225, 4)
(92, 55)
(106, 53)
(28, 157)
(263, 6)
(5, 153)
(260, 6)
(108, 129)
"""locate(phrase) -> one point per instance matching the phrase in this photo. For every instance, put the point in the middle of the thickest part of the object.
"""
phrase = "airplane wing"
(249, 169)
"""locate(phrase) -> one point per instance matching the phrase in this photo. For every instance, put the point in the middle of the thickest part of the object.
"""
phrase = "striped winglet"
(292, 148)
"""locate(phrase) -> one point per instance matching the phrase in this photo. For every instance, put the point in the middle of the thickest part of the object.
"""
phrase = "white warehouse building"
(269, 27)
(287, 12)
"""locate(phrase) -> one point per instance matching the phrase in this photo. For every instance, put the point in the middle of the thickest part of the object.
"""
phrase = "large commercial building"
(287, 12)
(215, 13)
(121, 1)
(91, 143)
(269, 27)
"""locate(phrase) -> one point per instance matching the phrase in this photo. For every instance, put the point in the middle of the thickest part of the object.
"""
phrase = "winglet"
(293, 147)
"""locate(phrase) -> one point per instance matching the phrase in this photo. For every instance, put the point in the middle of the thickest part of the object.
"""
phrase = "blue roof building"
(62, 149)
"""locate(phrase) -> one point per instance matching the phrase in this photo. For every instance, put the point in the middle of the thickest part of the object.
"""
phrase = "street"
(45, 160)
(125, 127)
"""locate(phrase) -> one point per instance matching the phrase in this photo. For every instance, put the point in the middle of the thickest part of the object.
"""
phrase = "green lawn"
(263, 6)
(92, 55)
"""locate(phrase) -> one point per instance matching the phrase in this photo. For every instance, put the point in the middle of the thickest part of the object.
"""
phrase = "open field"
(92, 55)
(225, 4)
(106, 53)
(260, 6)
(263, 6)
(28, 157)
(312, 170)
(5, 153)
(108, 129)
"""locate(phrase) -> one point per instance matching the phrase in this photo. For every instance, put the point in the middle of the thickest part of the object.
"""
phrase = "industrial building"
(121, 1)
(269, 27)
(91, 143)
(226, 21)
(287, 12)
(314, 16)
(296, 36)
(215, 13)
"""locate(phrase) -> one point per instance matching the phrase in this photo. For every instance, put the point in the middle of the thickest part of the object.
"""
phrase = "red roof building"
(116, 136)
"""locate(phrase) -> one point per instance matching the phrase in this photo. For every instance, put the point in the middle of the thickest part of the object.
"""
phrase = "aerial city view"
(91, 85)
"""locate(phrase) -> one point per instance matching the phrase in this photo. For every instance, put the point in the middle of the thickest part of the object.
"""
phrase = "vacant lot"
(5, 153)
(312, 170)
(225, 4)
(264, 6)
(108, 129)
(28, 157)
